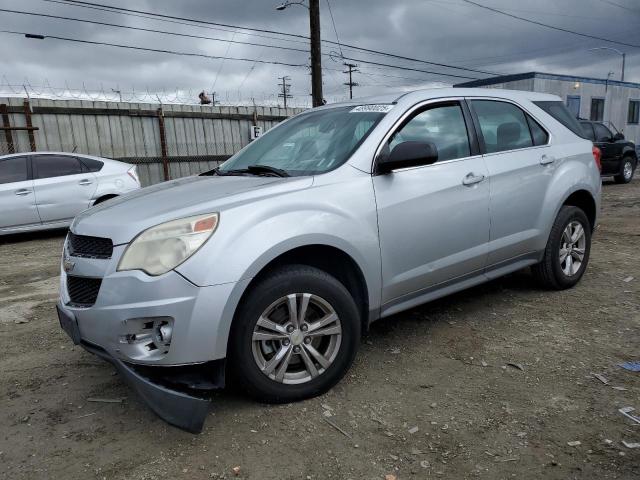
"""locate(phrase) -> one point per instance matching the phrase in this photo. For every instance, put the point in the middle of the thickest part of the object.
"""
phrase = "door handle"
(85, 182)
(472, 179)
(547, 159)
(23, 191)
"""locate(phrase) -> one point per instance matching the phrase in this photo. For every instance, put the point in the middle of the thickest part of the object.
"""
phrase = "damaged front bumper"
(177, 394)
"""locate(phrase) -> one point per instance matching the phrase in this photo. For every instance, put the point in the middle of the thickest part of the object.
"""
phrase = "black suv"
(619, 158)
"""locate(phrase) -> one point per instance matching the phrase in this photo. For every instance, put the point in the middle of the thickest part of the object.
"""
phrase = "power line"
(334, 28)
(621, 6)
(196, 20)
(149, 16)
(552, 27)
(150, 30)
(399, 67)
(155, 50)
(354, 47)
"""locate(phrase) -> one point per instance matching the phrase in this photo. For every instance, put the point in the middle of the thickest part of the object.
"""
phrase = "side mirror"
(408, 154)
(617, 137)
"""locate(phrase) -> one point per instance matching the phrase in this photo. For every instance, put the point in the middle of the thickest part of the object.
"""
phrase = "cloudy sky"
(451, 32)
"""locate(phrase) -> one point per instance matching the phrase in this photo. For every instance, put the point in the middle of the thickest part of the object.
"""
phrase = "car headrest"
(508, 134)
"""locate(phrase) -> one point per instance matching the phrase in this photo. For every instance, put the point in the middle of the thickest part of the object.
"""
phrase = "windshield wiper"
(251, 169)
(267, 169)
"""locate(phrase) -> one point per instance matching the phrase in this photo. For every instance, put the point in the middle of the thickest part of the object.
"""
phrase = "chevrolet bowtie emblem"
(68, 266)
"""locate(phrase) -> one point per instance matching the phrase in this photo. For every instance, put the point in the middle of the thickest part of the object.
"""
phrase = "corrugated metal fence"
(165, 141)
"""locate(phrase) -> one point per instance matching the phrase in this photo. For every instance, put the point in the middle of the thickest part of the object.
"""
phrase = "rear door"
(63, 187)
(520, 162)
(433, 220)
(17, 199)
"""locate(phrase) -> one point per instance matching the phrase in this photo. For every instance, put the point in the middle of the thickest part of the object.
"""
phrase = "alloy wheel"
(627, 171)
(296, 338)
(572, 248)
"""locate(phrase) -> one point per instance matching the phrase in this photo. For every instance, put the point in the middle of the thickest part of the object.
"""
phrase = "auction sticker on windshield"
(372, 108)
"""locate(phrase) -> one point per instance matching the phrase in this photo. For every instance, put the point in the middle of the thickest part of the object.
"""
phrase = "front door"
(62, 189)
(17, 199)
(433, 220)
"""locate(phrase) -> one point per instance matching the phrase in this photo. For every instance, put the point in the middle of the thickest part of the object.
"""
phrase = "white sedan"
(46, 190)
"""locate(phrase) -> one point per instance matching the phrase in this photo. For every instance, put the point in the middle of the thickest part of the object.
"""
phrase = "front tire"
(294, 336)
(567, 252)
(627, 168)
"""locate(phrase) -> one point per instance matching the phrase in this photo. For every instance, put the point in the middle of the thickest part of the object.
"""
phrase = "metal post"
(624, 60)
(163, 144)
(27, 117)
(7, 128)
(316, 53)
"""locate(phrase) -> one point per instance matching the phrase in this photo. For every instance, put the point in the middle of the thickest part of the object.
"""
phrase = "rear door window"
(13, 170)
(503, 125)
(48, 166)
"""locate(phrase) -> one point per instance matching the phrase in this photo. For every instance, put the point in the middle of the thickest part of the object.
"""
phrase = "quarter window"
(444, 126)
(597, 109)
(634, 111)
(538, 134)
(47, 166)
(13, 169)
(91, 165)
(503, 125)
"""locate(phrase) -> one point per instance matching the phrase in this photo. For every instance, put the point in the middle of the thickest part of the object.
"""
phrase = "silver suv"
(270, 267)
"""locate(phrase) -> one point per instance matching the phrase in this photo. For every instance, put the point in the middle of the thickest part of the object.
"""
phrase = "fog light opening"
(165, 332)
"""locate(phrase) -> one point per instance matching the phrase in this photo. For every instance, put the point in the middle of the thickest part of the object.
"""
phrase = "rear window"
(558, 111)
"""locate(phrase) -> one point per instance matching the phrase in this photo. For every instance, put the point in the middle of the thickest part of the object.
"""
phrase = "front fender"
(340, 213)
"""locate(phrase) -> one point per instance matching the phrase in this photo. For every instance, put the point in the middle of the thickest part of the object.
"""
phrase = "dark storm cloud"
(446, 31)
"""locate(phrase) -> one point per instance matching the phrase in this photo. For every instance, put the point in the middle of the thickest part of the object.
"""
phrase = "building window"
(597, 109)
(634, 111)
(573, 104)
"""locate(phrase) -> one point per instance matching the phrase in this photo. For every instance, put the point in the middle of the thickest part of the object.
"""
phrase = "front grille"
(89, 247)
(83, 291)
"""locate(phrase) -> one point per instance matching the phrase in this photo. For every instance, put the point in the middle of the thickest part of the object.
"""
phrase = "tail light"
(597, 155)
(133, 173)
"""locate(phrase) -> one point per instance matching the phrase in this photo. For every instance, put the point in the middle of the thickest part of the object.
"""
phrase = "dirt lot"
(430, 396)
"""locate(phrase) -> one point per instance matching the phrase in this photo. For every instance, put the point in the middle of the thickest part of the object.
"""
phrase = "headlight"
(165, 246)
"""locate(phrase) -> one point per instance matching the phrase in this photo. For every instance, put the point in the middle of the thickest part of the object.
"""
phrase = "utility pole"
(285, 90)
(351, 83)
(316, 53)
(316, 49)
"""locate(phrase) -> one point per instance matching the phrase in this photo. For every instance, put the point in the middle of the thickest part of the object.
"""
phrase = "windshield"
(311, 143)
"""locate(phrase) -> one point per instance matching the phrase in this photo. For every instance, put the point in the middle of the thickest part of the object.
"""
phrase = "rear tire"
(627, 169)
(567, 252)
(281, 297)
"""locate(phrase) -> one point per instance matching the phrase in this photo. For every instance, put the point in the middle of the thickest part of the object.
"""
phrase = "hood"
(122, 218)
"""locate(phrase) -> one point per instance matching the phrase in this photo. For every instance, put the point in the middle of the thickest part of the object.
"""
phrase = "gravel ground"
(431, 395)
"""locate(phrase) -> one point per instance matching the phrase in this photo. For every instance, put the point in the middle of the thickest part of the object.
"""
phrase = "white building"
(610, 101)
